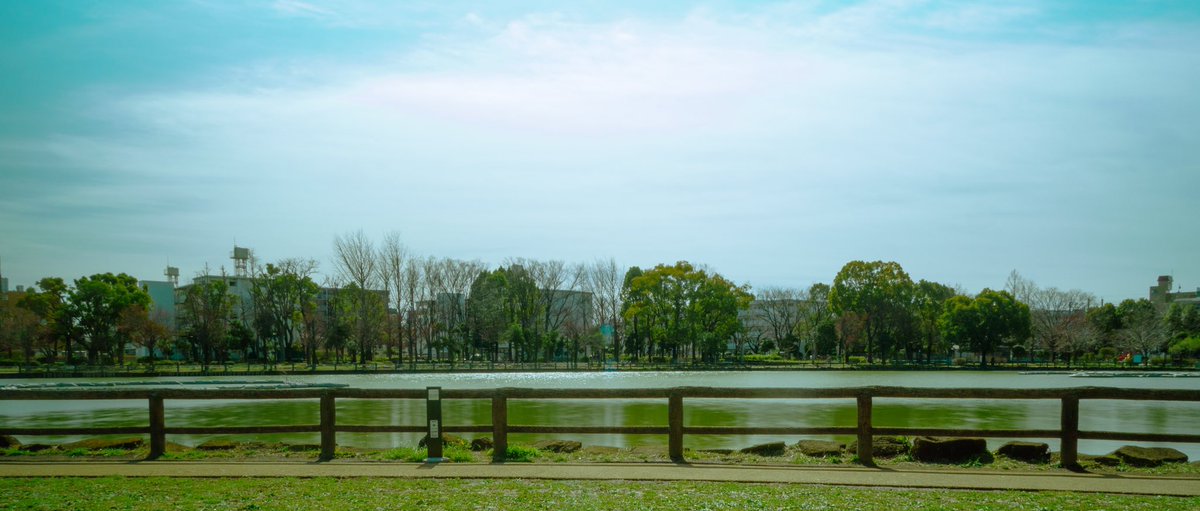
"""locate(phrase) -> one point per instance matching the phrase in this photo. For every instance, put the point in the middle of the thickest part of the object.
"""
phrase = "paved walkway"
(840, 476)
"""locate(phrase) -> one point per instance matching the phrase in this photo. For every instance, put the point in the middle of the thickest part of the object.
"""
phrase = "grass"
(526, 454)
(352, 494)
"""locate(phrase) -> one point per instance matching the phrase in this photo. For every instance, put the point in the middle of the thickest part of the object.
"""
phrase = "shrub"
(857, 360)
(520, 453)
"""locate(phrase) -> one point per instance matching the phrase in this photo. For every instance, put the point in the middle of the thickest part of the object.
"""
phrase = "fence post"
(1070, 432)
(675, 426)
(866, 442)
(158, 434)
(499, 426)
(328, 420)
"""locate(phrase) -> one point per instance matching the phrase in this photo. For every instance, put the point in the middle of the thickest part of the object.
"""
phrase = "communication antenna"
(172, 274)
(241, 260)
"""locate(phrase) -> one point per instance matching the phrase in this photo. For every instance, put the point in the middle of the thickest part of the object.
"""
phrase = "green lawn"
(356, 494)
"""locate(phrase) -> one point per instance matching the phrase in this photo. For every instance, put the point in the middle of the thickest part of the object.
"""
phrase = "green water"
(1131, 416)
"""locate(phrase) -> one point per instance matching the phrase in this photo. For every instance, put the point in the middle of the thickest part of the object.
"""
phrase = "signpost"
(433, 415)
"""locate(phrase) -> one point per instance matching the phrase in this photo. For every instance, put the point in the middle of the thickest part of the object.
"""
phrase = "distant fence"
(1068, 433)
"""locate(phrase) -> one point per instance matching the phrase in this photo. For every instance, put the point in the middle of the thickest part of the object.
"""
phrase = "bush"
(856, 360)
(520, 453)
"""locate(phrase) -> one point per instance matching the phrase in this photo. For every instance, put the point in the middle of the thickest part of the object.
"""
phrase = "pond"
(1096, 415)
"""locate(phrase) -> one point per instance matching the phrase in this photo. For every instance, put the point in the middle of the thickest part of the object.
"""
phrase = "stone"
(93, 444)
(949, 450)
(883, 446)
(767, 449)
(302, 447)
(820, 448)
(9, 442)
(218, 444)
(1107, 460)
(1032, 452)
(36, 447)
(447, 441)
(600, 449)
(481, 444)
(559, 446)
(1148, 456)
(717, 451)
(650, 450)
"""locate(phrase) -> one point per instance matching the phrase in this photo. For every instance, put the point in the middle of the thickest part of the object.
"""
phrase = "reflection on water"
(1131, 416)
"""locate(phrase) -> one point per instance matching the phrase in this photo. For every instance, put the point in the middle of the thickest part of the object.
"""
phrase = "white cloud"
(733, 139)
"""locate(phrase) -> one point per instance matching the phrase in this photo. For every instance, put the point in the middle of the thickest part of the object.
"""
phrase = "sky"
(771, 141)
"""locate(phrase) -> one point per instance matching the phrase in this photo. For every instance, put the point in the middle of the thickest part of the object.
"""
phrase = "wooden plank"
(983, 433)
(134, 430)
(865, 441)
(675, 427)
(788, 431)
(328, 427)
(242, 430)
(346, 428)
(589, 430)
(158, 435)
(1070, 432)
(1139, 437)
(499, 426)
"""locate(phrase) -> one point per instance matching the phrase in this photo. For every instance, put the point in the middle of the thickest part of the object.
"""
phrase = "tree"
(139, 328)
(205, 316)
(985, 321)
(685, 310)
(928, 301)
(97, 302)
(779, 311)
(604, 282)
(358, 265)
(818, 325)
(1142, 330)
(394, 260)
(48, 302)
(18, 329)
(880, 293)
(282, 294)
(1059, 320)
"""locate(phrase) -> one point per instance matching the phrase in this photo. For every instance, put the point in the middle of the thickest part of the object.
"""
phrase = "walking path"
(841, 476)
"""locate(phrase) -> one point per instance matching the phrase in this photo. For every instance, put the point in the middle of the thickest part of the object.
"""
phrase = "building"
(162, 301)
(1162, 296)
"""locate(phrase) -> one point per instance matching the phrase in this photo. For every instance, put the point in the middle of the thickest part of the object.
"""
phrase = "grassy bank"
(328, 494)
(267, 452)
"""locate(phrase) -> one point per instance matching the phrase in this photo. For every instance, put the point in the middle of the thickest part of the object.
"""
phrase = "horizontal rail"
(129, 430)
(656, 393)
(241, 430)
(720, 430)
(985, 433)
(591, 430)
(1139, 437)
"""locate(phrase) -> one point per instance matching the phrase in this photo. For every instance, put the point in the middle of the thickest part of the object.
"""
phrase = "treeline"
(383, 303)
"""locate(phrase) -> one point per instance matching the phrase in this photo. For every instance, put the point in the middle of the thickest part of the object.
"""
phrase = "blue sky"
(771, 141)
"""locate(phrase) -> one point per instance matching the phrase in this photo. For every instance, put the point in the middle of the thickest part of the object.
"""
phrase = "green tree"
(139, 328)
(984, 322)
(929, 299)
(205, 316)
(97, 302)
(56, 325)
(687, 311)
(282, 295)
(880, 293)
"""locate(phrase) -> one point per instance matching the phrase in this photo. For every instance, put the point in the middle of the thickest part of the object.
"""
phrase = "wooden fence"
(675, 430)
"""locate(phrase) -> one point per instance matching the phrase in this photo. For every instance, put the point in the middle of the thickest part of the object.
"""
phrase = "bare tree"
(604, 279)
(357, 264)
(394, 261)
(779, 311)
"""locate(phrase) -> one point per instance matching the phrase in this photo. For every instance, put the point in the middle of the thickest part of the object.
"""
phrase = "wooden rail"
(675, 430)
